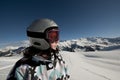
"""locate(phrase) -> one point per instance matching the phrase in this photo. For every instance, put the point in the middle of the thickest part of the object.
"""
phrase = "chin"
(54, 48)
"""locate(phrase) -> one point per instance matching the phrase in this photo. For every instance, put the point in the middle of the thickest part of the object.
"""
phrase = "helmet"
(37, 33)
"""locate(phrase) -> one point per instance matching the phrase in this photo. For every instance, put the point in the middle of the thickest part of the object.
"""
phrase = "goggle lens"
(53, 35)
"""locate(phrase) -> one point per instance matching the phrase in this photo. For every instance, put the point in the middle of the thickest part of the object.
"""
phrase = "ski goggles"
(52, 35)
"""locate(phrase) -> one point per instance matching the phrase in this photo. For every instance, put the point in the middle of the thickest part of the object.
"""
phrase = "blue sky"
(76, 18)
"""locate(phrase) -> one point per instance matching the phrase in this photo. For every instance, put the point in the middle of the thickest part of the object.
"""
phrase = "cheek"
(53, 45)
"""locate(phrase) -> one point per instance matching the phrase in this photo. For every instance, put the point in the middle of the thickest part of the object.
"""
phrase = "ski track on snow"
(80, 62)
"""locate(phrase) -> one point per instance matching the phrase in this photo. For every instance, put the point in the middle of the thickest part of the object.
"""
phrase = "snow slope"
(103, 65)
(98, 65)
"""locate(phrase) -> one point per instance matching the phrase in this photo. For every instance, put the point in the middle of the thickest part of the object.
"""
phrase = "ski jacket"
(38, 68)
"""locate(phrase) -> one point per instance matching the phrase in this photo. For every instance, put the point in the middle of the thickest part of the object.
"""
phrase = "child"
(42, 60)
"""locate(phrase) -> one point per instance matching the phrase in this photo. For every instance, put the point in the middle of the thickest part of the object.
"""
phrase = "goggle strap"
(36, 34)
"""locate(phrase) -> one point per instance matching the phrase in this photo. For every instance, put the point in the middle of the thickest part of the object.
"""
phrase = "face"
(54, 45)
(53, 38)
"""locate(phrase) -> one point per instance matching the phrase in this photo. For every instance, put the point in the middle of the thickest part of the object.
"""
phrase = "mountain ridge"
(74, 45)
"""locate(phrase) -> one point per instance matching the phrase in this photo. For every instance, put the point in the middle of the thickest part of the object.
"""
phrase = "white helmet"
(37, 33)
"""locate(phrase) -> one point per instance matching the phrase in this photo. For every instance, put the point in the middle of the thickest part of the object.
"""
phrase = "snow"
(98, 65)
(103, 65)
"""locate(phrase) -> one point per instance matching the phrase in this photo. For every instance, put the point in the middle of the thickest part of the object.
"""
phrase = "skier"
(41, 60)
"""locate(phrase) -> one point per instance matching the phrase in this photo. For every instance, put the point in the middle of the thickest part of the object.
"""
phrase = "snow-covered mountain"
(90, 44)
(13, 46)
(75, 45)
